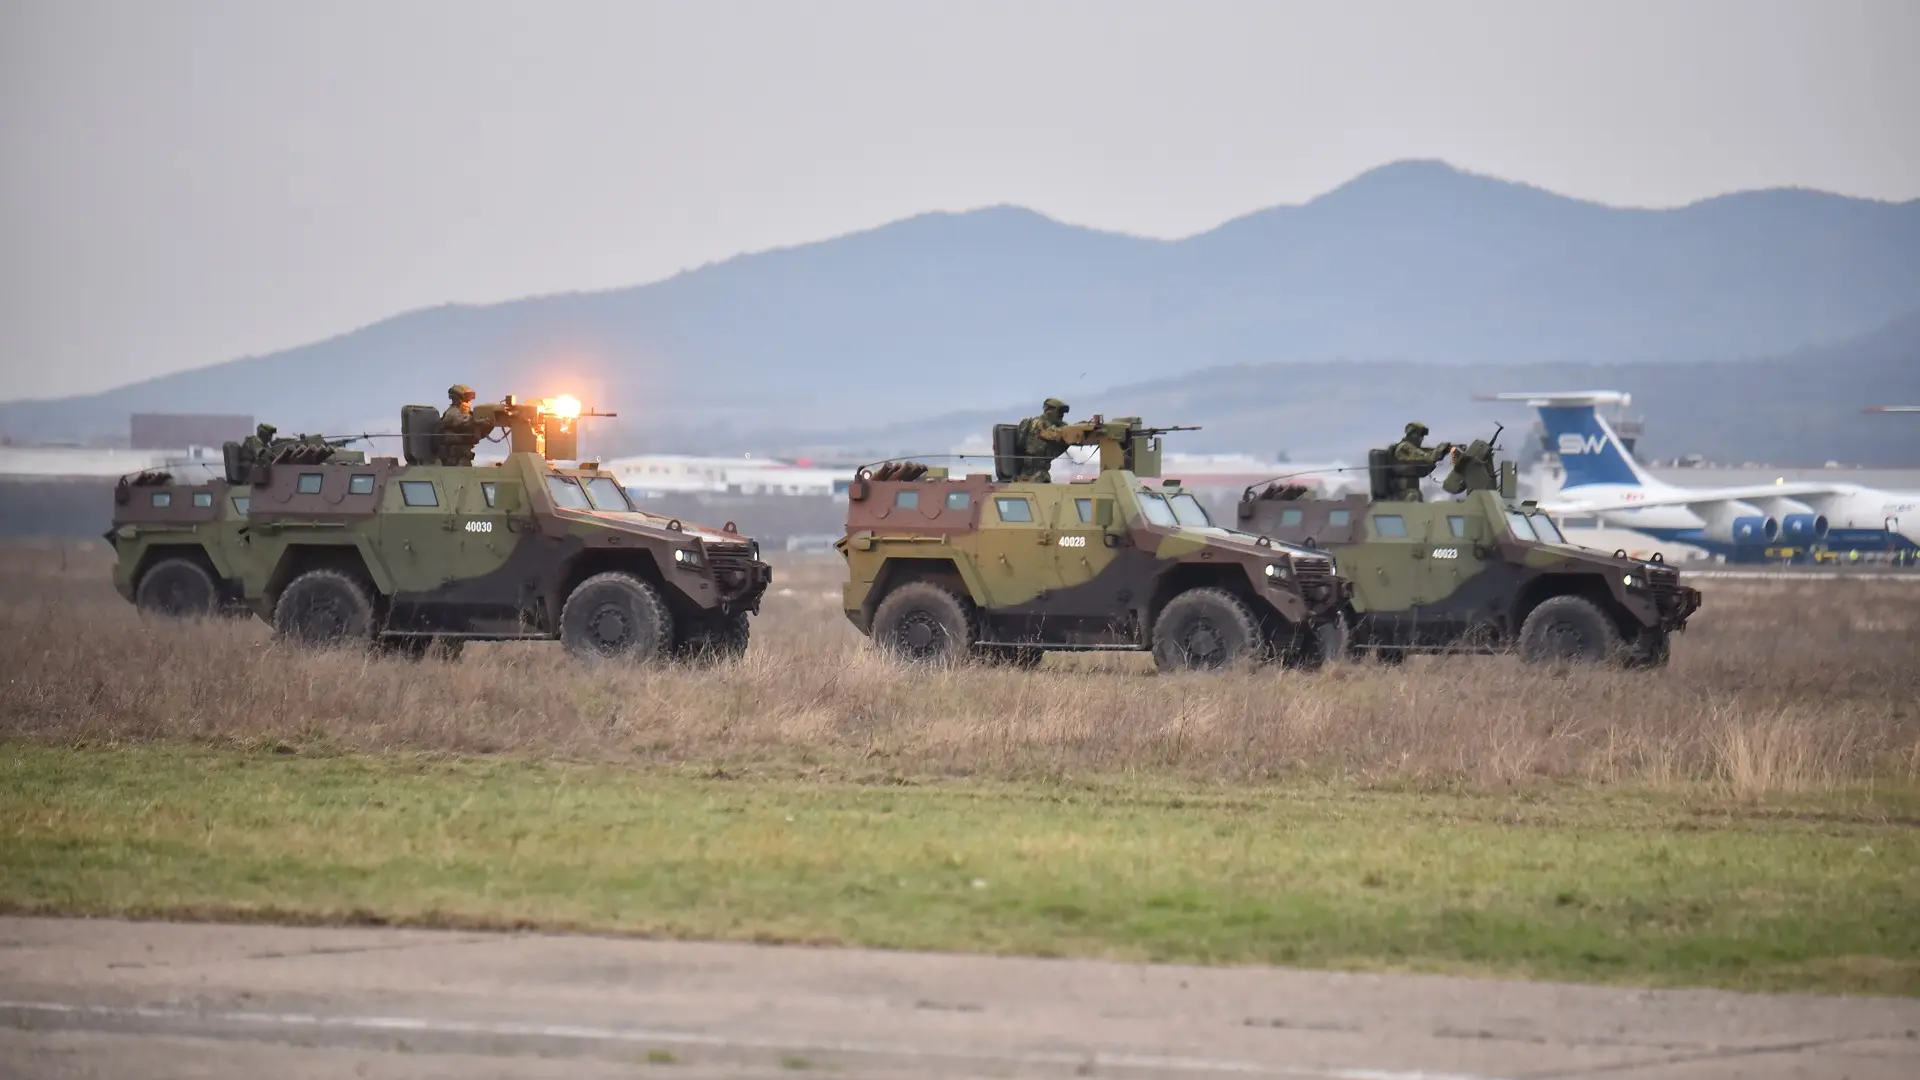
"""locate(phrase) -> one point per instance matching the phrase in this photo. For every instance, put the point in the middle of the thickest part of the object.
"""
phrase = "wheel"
(1568, 628)
(1652, 647)
(413, 647)
(324, 607)
(1317, 647)
(1204, 629)
(178, 588)
(616, 615)
(1018, 657)
(1390, 657)
(922, 623)
(713, 639)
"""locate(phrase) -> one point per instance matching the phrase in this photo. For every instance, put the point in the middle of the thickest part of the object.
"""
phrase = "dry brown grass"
(1777, 688)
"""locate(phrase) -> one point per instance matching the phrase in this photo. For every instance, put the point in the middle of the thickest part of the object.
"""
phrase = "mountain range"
(1410, 281)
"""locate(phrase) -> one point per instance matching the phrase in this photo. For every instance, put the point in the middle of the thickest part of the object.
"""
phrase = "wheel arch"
(297, 559)
(192, 550)
(953, 574)
(1587, 586)
(1229, 577)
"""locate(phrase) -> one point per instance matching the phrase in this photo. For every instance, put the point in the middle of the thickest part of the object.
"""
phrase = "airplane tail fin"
(1589, 450)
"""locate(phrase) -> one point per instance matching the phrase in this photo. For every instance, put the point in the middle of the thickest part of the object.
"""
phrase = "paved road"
(112, 999)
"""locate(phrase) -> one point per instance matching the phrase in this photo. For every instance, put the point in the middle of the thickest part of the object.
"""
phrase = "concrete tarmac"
(107, 999)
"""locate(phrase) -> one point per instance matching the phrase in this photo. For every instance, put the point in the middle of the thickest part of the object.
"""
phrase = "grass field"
(1749, 817)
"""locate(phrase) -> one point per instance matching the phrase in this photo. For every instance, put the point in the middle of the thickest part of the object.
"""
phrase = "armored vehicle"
(1478, 572)
(942, 568)
(328, 545)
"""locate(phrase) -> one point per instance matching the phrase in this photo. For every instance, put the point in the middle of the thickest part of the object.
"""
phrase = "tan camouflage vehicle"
(943, 568)
(1478, 572)
(328, 545)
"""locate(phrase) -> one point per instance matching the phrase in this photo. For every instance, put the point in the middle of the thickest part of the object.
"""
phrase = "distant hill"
(1799, 408)
(1415, 263)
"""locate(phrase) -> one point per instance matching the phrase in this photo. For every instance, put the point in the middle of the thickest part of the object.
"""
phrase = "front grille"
(735, 570)
(1315, 579)
(1669, 598)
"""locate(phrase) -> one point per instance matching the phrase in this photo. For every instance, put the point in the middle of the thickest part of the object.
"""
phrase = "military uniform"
(253, 448)
(1039, 441)
(1413, 463)
(459, 429)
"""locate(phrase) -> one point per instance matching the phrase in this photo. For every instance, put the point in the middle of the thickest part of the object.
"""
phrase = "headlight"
(686, 556)
(1277, 571)
(753, 550)
(1630, 581)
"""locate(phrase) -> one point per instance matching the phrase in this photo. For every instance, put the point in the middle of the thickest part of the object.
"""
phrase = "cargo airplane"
(1740, 523)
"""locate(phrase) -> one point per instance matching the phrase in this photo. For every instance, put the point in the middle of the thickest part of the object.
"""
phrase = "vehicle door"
(1016, 565)
(1080, 550)
(1398, 570)
(418, 541)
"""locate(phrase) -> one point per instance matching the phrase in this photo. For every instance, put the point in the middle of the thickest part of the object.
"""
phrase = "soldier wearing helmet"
(1413, 462)
(1040, 441)
(459, 428)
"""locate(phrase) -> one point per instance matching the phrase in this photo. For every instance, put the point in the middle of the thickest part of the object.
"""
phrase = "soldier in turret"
(460, 430)
(1040, 441)
(1413, 462)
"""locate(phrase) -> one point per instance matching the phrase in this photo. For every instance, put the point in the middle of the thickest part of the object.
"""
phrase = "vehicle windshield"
(567, 494)
(1546, 529)
(1188, 511)
(606, 494)
(1521, 527)
(1156, 509)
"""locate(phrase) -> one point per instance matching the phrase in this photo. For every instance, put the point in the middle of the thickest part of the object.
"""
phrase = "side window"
(203, 498)
(1292, 515)
(906, 499)
(1389, 526)
(309, 483)
(1339, 518)
(1457, 525)
(1085, 508)
(241, 503)
(419, 493)
(163, 498)
(360, 485)
(1016, 511)
(490, 490)
(958, 500)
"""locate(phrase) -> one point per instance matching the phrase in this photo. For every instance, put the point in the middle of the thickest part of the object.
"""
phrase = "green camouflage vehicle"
(1480, 572)
(942, 568)
(329, 546)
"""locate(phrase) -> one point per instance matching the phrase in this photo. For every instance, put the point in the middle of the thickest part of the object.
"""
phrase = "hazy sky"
(189, 182)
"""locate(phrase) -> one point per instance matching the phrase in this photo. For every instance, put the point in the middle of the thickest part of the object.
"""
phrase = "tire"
(714, 639)
(1204, 630)
(177, 588)
(616, 616)
(922, 623)
(1568, 629)
(1390, 657)
(1652, 647)
(412, 647)
(1018, 657)
(324, 607)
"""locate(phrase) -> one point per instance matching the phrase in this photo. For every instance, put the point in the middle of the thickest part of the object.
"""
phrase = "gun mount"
(548, 427)
(1125, 445)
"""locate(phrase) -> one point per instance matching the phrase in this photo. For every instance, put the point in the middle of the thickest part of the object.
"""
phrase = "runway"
(106, 999)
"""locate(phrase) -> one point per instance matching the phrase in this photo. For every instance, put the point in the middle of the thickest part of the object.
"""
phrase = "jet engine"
(1799, 523)
(1733, 522)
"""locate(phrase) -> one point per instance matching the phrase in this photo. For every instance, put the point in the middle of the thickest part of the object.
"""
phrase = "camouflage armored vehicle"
(1478, 572)
(328, 545)
(941, 568)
